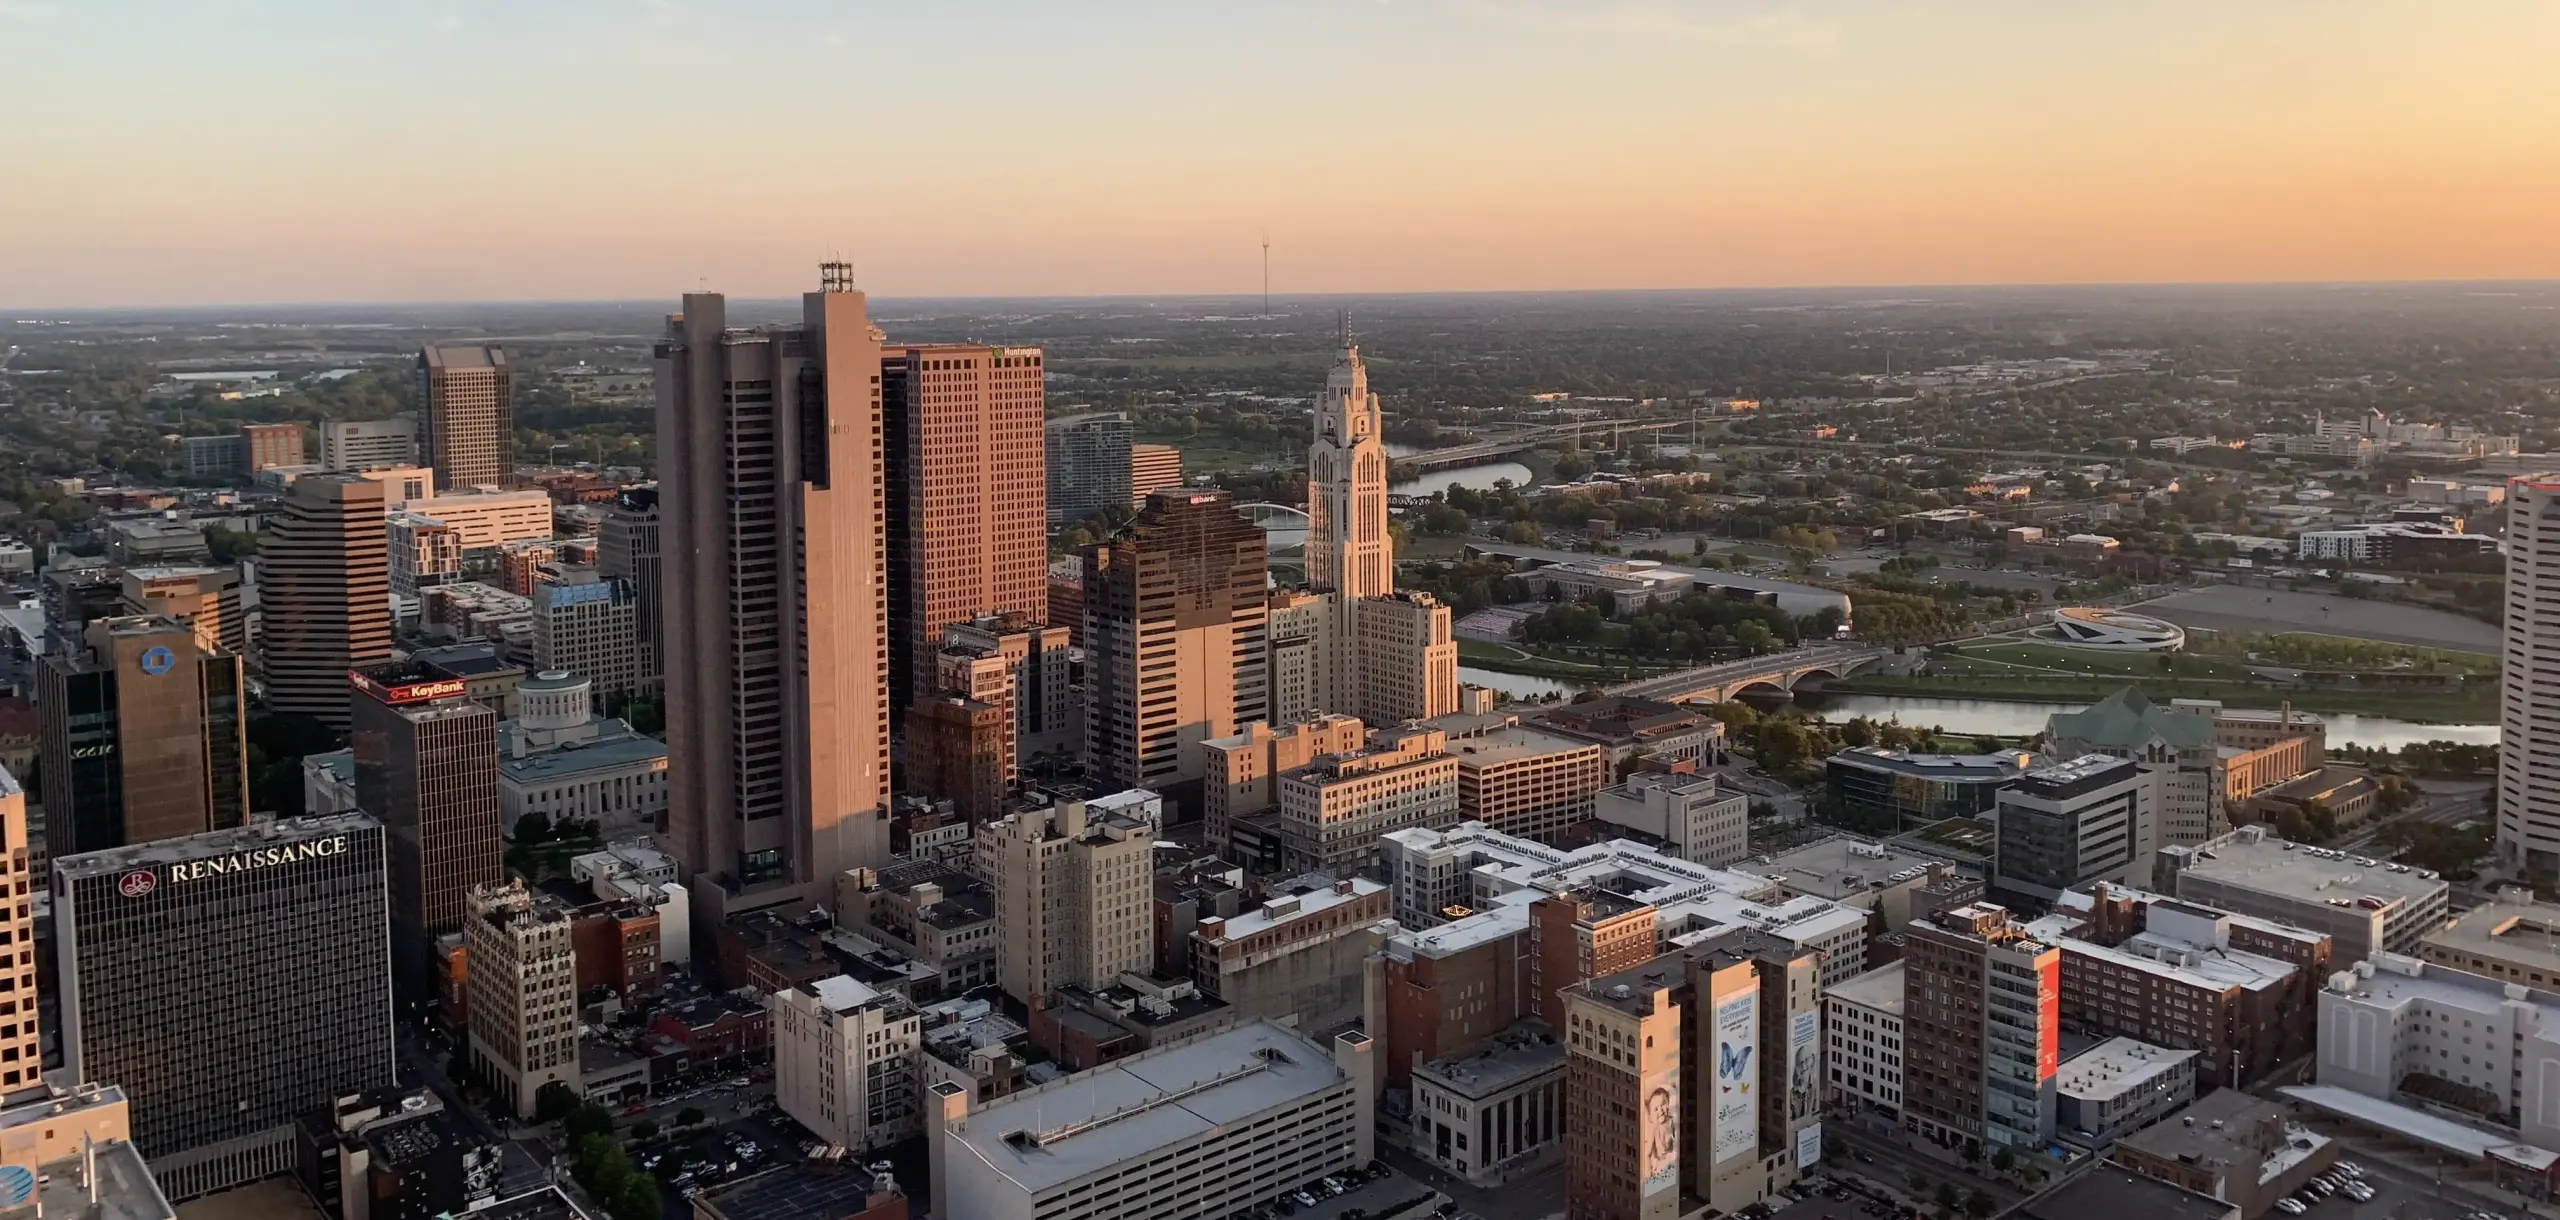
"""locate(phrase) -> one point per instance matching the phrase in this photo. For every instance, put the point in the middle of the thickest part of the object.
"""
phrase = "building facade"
(1524, 782)
(627, 549)
(367, 444)
(2529, 674)
(523, 980)
(1982, 1019)
(1153, 468)
(844, 1062)
(965, 496)
(21, 1050)
(1073, 897)
(775, 624)
(1242, 773)
(1174, 640)
(1691, 815)
(467, 414)
(1087, 464)
(166, 952)
(324, 592)
(2071, 824)
(1333, 811)
(426, 763)
(1862, 1032)
(145, 737)
(588, 624)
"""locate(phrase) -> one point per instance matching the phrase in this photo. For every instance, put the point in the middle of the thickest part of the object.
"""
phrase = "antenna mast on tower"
(1266, 275)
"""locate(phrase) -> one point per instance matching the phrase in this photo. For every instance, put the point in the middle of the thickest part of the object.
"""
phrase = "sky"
(169, 152)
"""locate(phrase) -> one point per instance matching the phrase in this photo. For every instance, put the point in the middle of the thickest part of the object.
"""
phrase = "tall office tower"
(427, 764)
(1982, 1019)
(368, 444)
(2529, 719)
(1348, 551)
(1303, 627)
(974, 675)
(1073, 904)
(523, 979)
(205, 599)
(1153, 468)
(1174, 642)
(271, 445)
(75, 590)
(965, 496)
(1044, 702)
(588, 624)
(21, 1052)
(324, 596)
(627, 546)
(775, 599)
(232, 983)
(1088, 464)
(467, 414)
(145, 737)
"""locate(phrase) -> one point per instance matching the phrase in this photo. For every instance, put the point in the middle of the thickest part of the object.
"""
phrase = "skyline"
(463, 151)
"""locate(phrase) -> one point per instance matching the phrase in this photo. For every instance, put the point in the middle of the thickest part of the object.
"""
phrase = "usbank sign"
(250, 861)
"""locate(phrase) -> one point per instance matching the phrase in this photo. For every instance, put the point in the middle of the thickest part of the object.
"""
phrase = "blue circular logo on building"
(157, 660)
(17, 1185)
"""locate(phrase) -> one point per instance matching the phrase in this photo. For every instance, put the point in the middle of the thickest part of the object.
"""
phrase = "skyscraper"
(324, 593)
(627, 546)
(966, 496)
(2528, 773)
(522, 971)
(21, 1052)
(467, 414)
(1073, 906)
(1348, 550)
(1088, 464)
(144, 737)
(773, 597)
(1174, 641)
(1981, 1030)
(427, 764)
(231, 982)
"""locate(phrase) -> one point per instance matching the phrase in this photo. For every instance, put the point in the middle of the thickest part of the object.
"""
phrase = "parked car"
(2290, 1206)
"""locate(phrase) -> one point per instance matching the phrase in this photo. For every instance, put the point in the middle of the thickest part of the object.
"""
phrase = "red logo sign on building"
(138, 883)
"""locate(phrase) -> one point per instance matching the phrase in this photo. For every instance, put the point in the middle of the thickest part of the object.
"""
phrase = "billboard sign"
(1804, 1065)
(1658, 1130)
(1736, 1033)
(409, 692)
(1808, 1147)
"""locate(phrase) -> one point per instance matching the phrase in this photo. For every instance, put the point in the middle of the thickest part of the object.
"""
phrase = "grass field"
(1993, 659)
(1508, 659)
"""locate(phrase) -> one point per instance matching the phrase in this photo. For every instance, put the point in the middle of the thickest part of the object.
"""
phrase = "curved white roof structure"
(2095, 627)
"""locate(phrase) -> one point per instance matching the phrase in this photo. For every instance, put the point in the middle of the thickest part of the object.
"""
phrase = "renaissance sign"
(251, 861)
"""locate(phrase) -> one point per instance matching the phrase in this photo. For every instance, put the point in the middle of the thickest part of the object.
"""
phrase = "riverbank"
(1508, 659)
(2474, 704)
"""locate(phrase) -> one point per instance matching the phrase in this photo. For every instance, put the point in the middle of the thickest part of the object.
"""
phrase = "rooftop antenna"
(835, 275)
(1266, 275)
(1346, 329)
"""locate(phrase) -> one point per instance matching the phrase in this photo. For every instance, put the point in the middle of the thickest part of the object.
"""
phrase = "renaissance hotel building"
(231, 982)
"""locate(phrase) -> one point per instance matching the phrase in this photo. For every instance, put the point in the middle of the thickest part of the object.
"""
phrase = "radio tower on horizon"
(1266, 275)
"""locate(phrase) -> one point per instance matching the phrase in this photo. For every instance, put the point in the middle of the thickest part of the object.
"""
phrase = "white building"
(1697, 820)
(631, 870)
(1497, 1114)
(561, 760)
(844, 1062)
(1211, 1126)
(2394, 1017)
(1074, 903)
(2529, 716)
(424, 553)
(488, 518)
(2119, 1086)
(1862, 1035)
(2366, 906)
(523, 982)
(368, 444)
(1493, 874)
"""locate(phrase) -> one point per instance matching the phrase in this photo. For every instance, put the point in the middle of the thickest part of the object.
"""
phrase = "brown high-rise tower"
(1176, 642)
(324, 593)
(467, 414)
(967, 497)
(774, 606)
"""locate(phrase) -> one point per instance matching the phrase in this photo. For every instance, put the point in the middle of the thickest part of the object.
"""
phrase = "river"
(2001, 718)
(1478, 478)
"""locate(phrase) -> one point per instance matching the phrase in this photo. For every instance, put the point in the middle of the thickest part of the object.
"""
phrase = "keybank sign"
(251, 861)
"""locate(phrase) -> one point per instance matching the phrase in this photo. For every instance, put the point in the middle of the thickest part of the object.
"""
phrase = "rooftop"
(2218, 1128)
(211, 843)
(1523, 1052)
(2250, 858)
(580, 757)
(1631, 990)
(1293, 901)
(125, 1189)
(1842, 866)
(2126, 720)
(2078, 777)
(2392, 981)
(1086, 1123)
(2116, 1065)
(2000, 767)
(1879, 989)
(1497, 746)
(2527, 934)
(2108, 1192)
(1620, 718)
(792, 1192)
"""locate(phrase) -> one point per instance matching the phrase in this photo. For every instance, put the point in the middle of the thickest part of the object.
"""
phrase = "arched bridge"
(1778, 671)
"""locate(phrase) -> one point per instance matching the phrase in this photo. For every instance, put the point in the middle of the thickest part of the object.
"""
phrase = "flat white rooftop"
(1129, 1109)
(2249, 859)
(2117, 1066)
(1879, 989)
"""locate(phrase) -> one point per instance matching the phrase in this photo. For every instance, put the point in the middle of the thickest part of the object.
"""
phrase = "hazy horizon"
(165, 153)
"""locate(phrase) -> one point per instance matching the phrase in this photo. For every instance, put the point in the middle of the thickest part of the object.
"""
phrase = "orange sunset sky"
(158, 152)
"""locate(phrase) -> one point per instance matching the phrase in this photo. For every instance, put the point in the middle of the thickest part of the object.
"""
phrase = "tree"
(554, 1102)
(1524, 533)
(1978, 1204)
(688, 1116)
(1947, 1197)
(1443, 519)
(588, 1119)
(637, 1200)
(1785, 742)
(644, 1129)
(2004, 1160)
